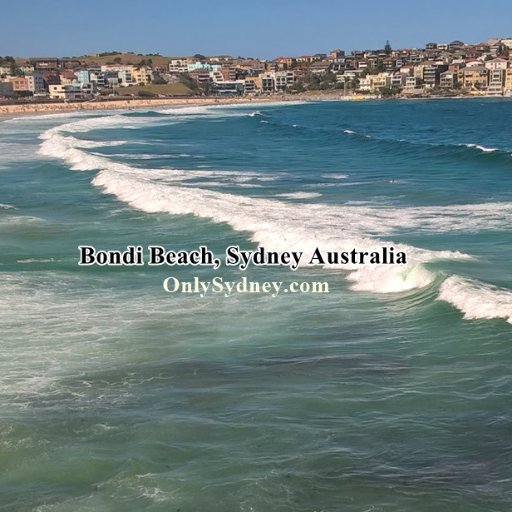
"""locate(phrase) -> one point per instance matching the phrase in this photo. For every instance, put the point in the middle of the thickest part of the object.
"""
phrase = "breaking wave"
(477, 300)
(284, 226)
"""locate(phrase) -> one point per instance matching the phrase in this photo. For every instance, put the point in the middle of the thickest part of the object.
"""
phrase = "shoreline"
(17, 109)
(141, 103)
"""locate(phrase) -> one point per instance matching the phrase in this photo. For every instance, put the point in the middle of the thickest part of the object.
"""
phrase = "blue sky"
(260, 28)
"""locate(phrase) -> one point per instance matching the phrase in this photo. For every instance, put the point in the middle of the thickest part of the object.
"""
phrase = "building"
(412, 82)
(202, 66)
(70, 63)
(267, 83)
(496, 82)
(71, 92)
(449, 80)
(336, 55)
(495, 64)
(45, 63)
(178, 66)
(217, 76)
(5, 70)
(6, 89)
(319, 68)
(19, 85)
(67, 77)
(252, 85)
(83, 76)
(475, 77)
(508, 80)
(283, 80)
(365, 83)
(307, 59)
(223, 88)
(51, 78)
(432, 75)
(142, 75)
(125, 77)
(26, 70)
(36, 83)
(455, 45)
(201, 75)
(397, 80)
(285, 62)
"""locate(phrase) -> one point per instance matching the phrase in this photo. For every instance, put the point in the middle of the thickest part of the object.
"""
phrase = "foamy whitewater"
(128, 398)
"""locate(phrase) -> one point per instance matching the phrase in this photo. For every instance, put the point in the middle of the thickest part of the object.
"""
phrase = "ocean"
(389, 393)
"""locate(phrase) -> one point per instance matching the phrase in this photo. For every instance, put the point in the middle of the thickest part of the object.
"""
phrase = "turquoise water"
(390, 393)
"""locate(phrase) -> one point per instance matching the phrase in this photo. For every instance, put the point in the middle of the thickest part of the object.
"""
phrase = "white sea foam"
(300, 195)
(481, 148)
(477, 300)
(33, 260)
(352, 132)
(278, 225)
(44, 117)
(209, 111)
(335, 176)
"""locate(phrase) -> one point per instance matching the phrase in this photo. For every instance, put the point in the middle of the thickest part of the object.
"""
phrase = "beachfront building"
(397, 80)
(267, 83)
(475, 77)
(6, 89)
(508, 81)
(252, 84)
(432, 74)
(36, 83)
(412, 82)
(283, 80)
(142, 75)
(83, 76)
(71, 92)
(496, 81)
(382, 81)
(365, 83)
(20, 85)
(449, 80)
(228, 88)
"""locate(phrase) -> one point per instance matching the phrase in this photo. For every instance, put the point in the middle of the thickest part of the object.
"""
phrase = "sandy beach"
(51, 108)
(17, 109)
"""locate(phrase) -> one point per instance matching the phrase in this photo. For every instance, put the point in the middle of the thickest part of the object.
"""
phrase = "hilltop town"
(439, 69)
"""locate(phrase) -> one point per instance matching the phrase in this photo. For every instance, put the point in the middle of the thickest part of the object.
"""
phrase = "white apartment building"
(71, 92)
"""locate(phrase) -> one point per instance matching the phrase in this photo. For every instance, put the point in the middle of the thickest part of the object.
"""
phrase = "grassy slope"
(126, 58)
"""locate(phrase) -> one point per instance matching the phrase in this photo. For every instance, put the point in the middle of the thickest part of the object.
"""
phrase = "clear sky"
(258, 28)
